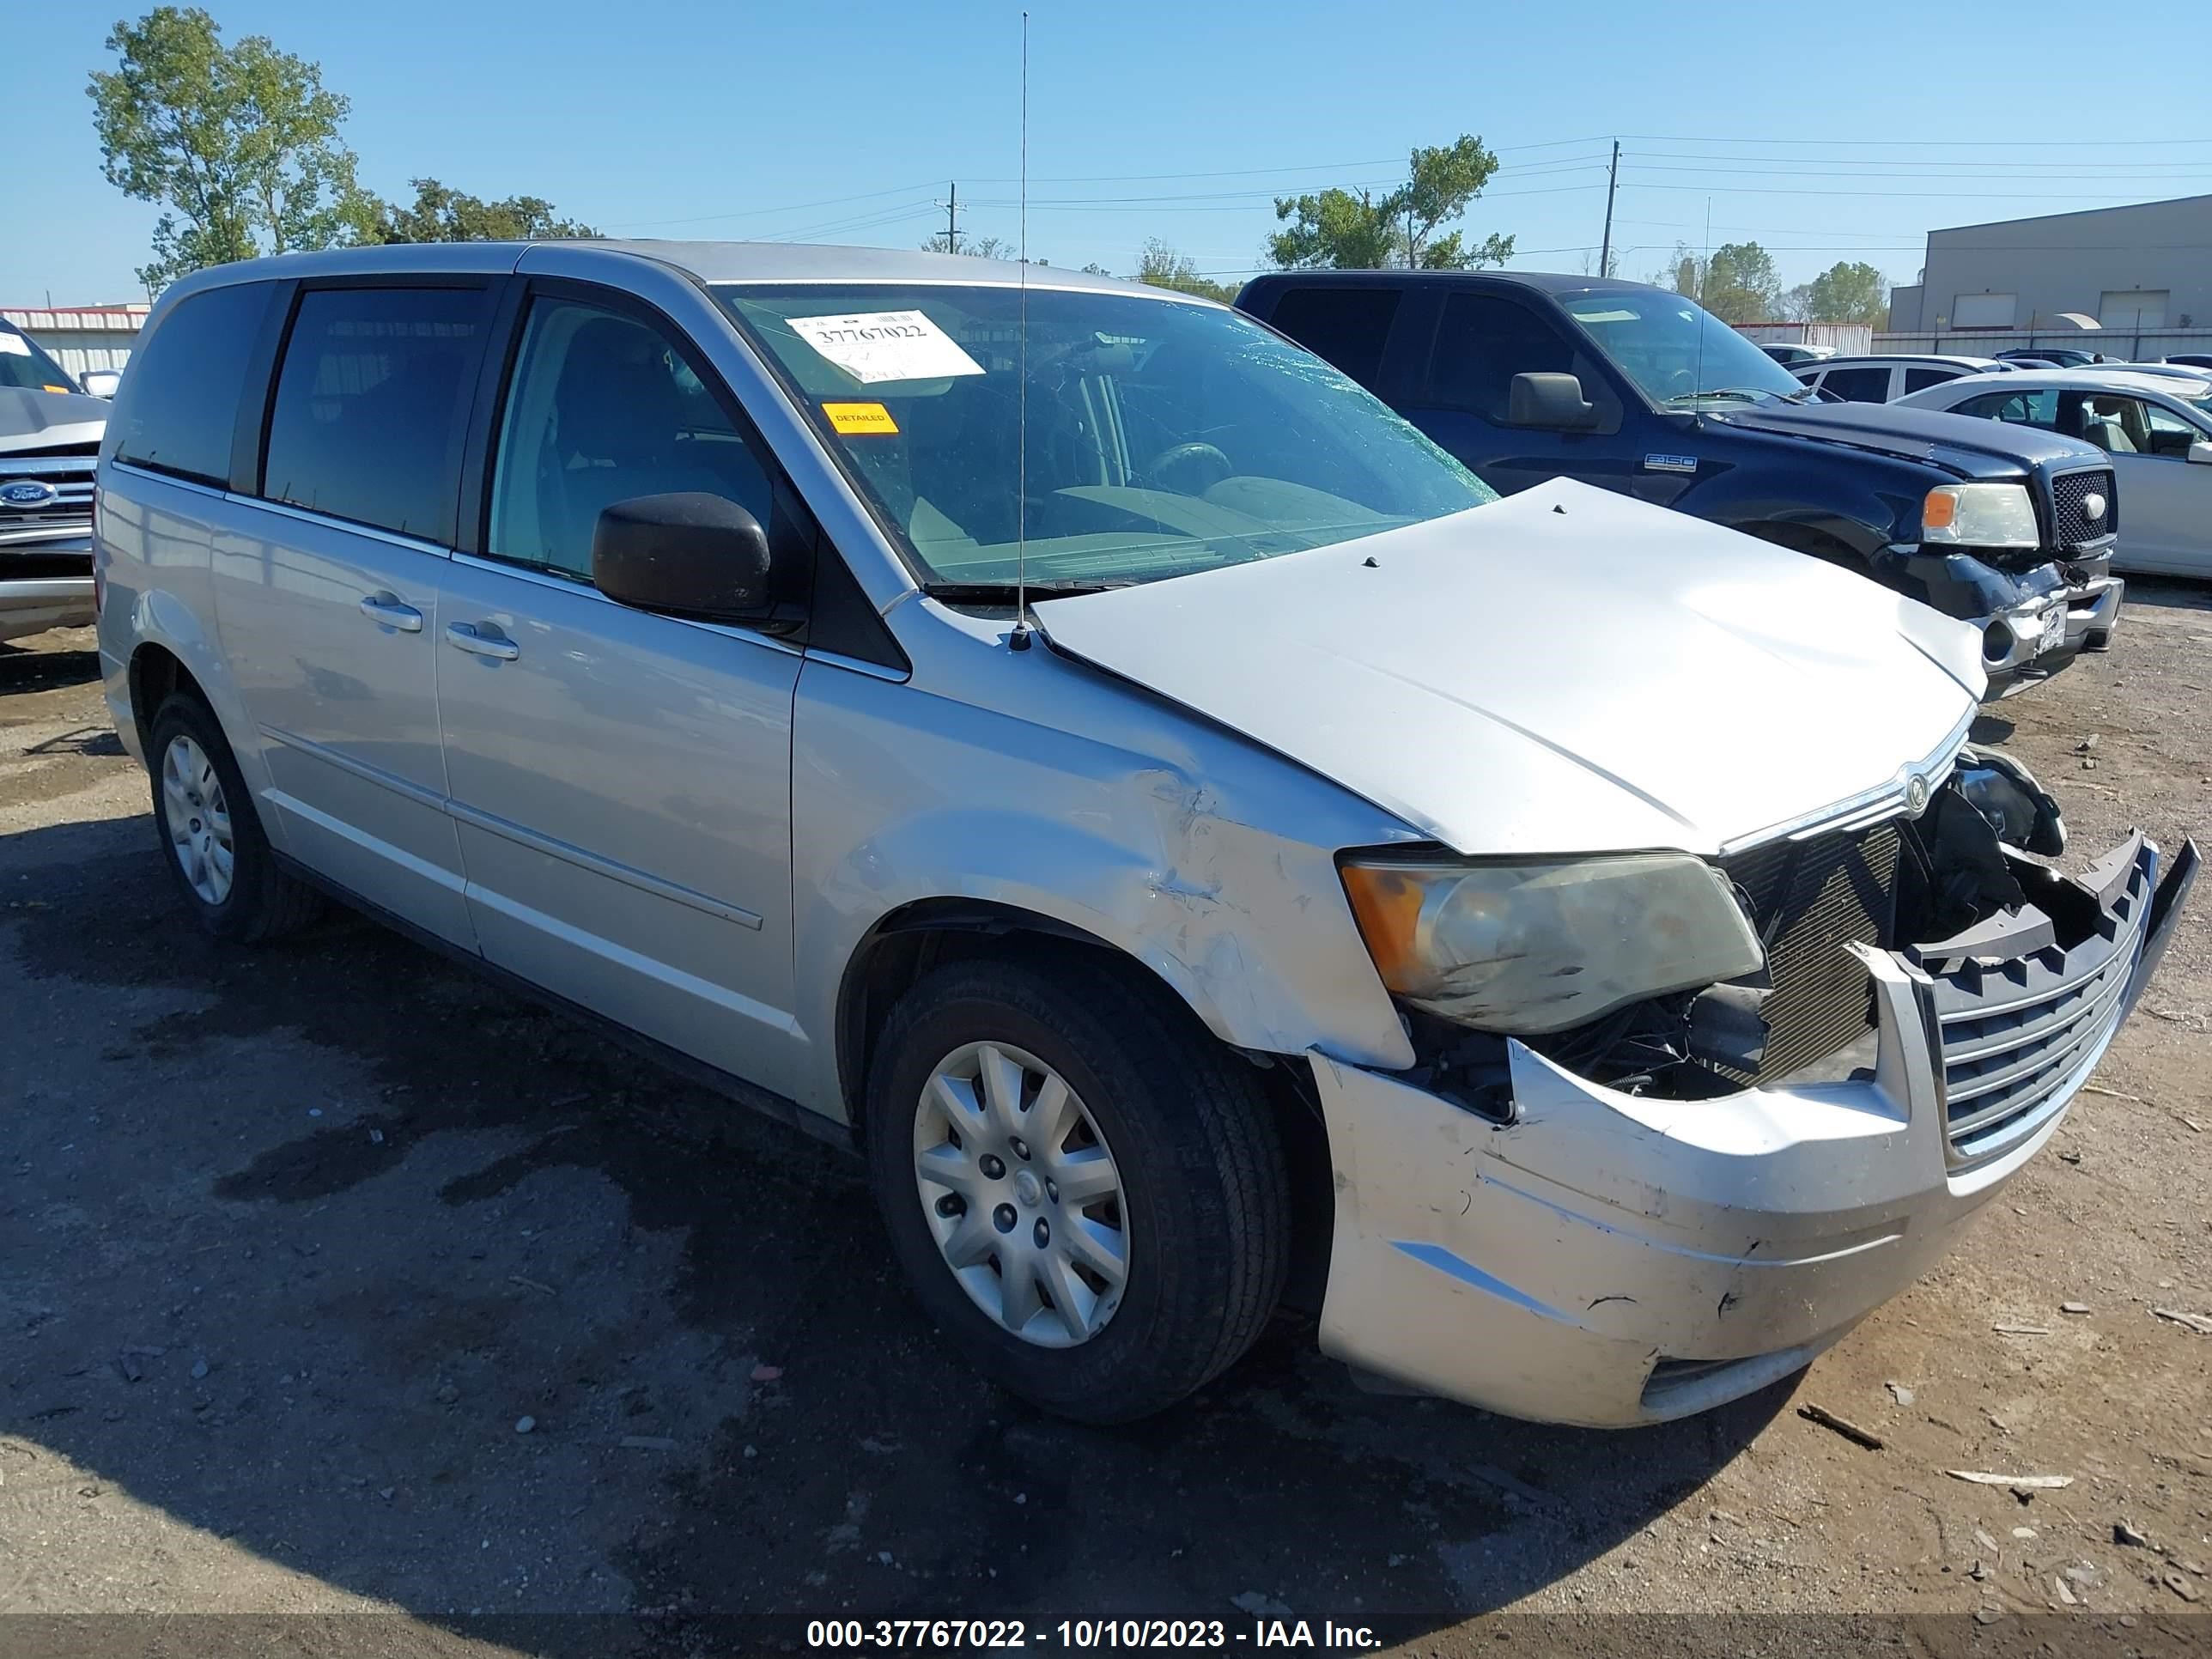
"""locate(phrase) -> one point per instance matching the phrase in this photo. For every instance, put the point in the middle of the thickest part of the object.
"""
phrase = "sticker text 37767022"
(873, 346)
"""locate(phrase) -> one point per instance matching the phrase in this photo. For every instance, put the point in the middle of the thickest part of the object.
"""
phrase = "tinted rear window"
(1858, 386)
(1919, 379)
(1346, 326)
(179, 404)
(370, 401)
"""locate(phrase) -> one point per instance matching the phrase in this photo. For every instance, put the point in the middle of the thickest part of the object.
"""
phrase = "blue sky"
(1822, 134)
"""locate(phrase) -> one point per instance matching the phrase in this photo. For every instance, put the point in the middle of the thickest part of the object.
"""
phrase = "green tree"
(441, 214)
(1848, 291)
(1162, 267)
(1737, 284)
(1344, 230)
(239, 143)
(980, 247)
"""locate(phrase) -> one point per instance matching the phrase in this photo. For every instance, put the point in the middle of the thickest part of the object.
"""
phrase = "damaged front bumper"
(2034, 619)
(1610, 1260)
(2033, 638)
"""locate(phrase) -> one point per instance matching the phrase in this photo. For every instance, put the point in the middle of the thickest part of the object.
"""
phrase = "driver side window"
(603, 407)
(1483, 340)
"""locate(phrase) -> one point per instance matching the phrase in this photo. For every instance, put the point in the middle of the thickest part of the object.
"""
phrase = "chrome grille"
(2071, 524)
(1807, 899)
(69, 514)
(2016, 1031)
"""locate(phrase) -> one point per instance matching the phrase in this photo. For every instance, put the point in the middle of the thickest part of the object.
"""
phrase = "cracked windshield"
(1162, 438)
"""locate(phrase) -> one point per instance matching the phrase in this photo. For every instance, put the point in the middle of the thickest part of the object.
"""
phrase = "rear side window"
(177, 407)
(1919, 379)
(370, 404)
(1858, 386)
(2038, 408)
(1349, 326)
(1485, 340)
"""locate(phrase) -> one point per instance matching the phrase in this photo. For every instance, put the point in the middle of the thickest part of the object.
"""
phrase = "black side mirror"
(1553, 401)
(688, 554)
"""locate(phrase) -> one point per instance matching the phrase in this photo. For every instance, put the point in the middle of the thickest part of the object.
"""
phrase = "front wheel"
(1087, 1192)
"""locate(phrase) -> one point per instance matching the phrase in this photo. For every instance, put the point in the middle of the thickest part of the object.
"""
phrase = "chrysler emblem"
(2092, 506)
(27, 492)
(1916, 795)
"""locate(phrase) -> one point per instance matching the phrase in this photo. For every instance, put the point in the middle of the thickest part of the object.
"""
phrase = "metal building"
(2142, 275)
(82, 336)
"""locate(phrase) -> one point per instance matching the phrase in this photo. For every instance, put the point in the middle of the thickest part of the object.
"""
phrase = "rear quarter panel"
(155, 536)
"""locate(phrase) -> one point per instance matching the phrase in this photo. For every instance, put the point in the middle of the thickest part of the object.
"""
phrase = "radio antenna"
(1704, 284)
(1020, 639)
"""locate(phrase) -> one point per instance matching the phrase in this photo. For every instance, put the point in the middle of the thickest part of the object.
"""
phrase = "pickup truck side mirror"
(1551, 401)
(100, 382)
(2201, 452)
(686, 554)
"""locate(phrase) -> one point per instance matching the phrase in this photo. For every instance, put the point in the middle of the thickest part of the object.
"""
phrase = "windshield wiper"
(1749, 394)
(1049, 588)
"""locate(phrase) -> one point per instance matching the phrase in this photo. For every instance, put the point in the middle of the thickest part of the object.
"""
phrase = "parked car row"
(1201, 846)
(1636, 389)
(2153, 420)
(1883, 379)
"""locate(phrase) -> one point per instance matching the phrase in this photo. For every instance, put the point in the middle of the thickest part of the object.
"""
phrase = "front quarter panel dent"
(1209, 861)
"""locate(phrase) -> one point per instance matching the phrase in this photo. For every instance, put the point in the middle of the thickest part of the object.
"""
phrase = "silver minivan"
(1205, 850)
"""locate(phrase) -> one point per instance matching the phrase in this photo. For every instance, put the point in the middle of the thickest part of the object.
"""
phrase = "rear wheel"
(211, 836)
(1087, 1192)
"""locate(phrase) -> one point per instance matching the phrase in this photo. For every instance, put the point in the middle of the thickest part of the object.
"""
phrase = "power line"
(1794, 173)
(2146, 166)
(1942, 195)
(1920, 143)
(762, 213)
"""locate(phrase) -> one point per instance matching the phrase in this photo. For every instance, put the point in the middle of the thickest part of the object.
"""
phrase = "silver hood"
(32, 419)
(1565, 671)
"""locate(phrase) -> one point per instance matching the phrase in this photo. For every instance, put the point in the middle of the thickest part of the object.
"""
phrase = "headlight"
(1980, 515)
(1529, 948)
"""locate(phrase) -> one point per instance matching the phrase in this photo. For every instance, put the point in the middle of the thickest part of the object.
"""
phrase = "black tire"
(1204, 1185)
(263, 903)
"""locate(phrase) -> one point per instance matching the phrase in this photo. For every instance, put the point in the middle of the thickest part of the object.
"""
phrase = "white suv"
(1886, 378)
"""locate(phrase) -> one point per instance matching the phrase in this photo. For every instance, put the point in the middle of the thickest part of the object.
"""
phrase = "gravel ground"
(333, 1281)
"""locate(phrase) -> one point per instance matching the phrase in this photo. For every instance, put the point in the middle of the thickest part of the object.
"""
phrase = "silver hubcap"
(197, 819)
(1021, 1193)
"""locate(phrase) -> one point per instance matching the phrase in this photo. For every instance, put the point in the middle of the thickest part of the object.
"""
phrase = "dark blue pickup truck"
(1527, 377)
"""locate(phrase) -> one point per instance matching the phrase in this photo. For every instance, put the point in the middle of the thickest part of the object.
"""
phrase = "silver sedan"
(2157, 427)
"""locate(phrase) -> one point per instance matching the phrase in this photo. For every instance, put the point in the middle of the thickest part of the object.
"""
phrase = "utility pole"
(1605, 248)
(952, 206)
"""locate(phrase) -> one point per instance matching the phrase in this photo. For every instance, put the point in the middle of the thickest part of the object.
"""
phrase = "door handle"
(464, 634)
(388, 610)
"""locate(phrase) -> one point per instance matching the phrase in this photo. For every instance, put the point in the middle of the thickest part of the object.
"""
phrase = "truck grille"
(1807, 899)
(2071, 525)
(2015, 1030)
(67, 514)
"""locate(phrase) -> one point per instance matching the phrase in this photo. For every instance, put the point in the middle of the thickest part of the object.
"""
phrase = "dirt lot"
(295, 1245)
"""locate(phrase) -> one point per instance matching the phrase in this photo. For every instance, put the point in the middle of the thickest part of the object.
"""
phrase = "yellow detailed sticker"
(860, 419)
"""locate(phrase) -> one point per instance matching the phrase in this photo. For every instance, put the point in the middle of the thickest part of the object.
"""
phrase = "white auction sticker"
(885, 345)
(15, 346)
